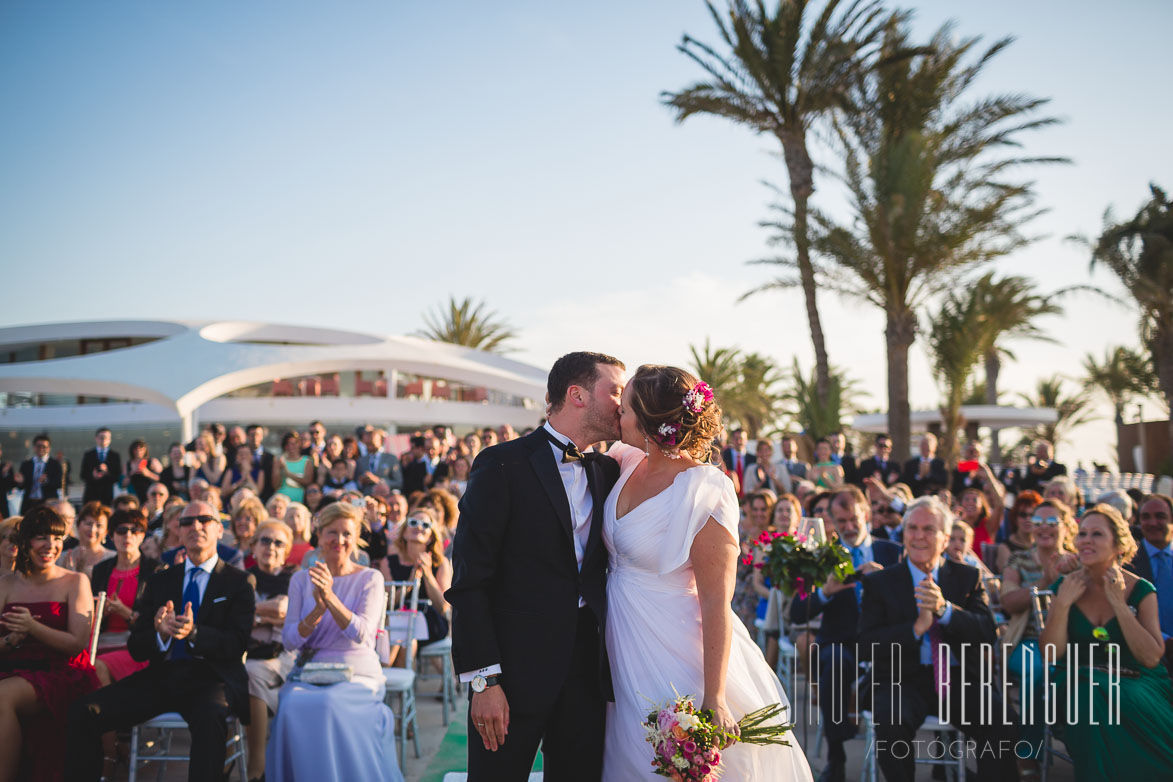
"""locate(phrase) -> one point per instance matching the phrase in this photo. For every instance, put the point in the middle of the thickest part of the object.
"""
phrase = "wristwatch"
(481, 683)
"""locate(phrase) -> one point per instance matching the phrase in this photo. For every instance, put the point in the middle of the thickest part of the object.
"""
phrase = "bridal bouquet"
(685, 741)
(797, 565)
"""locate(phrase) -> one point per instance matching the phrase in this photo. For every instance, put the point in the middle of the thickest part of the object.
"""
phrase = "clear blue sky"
(353, 164)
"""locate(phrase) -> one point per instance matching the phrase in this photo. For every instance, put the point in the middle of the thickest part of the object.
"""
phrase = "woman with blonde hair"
(418, 551)
(1122, 723)
(91, 532)
(298, 519)
(341, 730)
(250, 515)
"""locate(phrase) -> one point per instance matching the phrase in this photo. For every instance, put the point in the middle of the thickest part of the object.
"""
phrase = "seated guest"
(881, 467)
(1020, 530)
(1064, 489)
(245, 473)
(177, 474)
(825, 472)
(344, 730)
(297, 518)
(45, 616)
(124, 580)
(419, 552)
(1123, 724)
(337, 480)
(838, 604)
(926, 474)
(313, 497)
(787, 515)
(9, 537)
(91, 531)
(1041, 468)
(157, 496)
(268, 662)
(141, 469)
(925, 617)
(245, 521)
(193, 628)
(765, 473)
(1154, 560)
(1052, 527)
(960, 548)
(975, 511)
(276, 506)
(231, 556)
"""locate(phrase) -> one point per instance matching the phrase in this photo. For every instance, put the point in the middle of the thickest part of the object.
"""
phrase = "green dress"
(1140, 745)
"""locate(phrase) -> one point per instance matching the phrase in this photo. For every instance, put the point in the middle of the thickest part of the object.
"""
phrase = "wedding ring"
(480, 724)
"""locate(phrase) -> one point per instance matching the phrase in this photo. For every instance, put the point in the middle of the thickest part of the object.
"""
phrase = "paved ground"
(441, 749)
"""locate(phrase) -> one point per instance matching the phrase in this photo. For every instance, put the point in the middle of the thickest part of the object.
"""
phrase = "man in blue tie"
(838, 603)
(193, 626)
(1154, 559)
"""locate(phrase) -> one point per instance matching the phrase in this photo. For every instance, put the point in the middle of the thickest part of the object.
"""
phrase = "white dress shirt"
(203, 575)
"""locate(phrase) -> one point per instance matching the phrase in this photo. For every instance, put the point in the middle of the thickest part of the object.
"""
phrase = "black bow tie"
(570, 452)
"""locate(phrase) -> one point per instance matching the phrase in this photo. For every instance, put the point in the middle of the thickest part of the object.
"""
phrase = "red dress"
(123, 583)
(58, 680)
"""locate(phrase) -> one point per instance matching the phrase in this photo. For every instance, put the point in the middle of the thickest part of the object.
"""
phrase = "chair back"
(990, 555)
(96, 629)
(1037, 598)
(402, 613)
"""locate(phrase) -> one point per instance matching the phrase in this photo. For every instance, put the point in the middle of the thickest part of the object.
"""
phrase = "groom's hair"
(580, 368)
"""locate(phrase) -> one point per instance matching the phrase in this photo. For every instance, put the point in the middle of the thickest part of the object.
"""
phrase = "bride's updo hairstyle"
(675, 410)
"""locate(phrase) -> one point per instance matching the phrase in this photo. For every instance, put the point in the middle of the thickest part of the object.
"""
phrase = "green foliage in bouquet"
(796, 566)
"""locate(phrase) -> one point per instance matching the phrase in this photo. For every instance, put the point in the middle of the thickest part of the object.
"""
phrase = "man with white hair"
(1041, 467)
(923, 622)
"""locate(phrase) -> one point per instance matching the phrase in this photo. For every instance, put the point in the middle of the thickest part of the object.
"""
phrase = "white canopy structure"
(103, 373)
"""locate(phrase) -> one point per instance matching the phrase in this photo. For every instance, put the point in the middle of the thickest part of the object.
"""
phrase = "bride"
(670, 527)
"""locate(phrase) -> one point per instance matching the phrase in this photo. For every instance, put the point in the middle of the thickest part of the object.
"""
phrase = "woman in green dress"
(1098, 605)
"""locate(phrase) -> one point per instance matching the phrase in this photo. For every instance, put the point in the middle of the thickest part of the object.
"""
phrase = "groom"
(529, 592)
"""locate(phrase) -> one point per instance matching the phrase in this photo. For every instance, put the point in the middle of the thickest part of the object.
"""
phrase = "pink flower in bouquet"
(676, 776)
(706, 770)
(689, 747)
(711, 755)
(801, 583)
(667, 720)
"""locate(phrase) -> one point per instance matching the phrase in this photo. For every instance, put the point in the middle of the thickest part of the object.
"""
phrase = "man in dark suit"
(417, 471)
(7, 482)
(838, 603)
(737, 461)
(1041, 467)
(101, 469)
(378, 468)
(1154, 560)
(795, 466)
(923, 624)
(840, 456)
(879, 466)
(926, 474)
(41, 477)
(254, 437)
(529, 586)
(193, 627)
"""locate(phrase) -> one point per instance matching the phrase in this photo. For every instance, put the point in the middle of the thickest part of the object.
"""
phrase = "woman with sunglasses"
(9, 534)
(45, 617)
(341, 730)
(1052, 527)
(91, 532)
(418, 551)
(124, 579)
(1021, 537)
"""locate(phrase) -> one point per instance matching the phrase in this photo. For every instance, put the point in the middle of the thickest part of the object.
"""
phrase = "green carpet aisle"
(452, 756)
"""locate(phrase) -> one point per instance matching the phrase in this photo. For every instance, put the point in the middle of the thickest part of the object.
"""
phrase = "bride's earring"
(647, 451)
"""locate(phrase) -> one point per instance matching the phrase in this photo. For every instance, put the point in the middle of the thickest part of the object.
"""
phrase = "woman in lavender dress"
(340, 731)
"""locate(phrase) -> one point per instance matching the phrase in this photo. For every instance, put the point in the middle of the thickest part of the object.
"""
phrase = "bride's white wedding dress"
(654, 627)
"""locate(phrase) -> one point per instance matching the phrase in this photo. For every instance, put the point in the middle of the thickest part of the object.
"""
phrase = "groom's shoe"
(836, 771)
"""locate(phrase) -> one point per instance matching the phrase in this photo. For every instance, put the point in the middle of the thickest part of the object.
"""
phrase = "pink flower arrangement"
(696, 399)
(686, 742)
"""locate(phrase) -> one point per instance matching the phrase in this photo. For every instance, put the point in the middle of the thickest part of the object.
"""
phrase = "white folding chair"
(440, 650)
(167, 724)
(402, 612)
(1040, 613)
(96, 627)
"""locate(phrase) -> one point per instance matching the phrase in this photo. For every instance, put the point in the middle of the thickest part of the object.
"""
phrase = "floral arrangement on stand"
(799, 564)
(687, 744)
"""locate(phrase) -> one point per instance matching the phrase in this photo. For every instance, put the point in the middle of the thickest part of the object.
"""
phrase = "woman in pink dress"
(45, 617)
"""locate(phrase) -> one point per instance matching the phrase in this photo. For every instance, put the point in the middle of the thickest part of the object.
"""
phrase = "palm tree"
(1123, 375)
(955, 353)
(468, 325)
(1008, 309)
(1140, 253)
(927, 175)
(743, 384)
(1073, 411)
(720, 368)
(811, 416)
(781, 73)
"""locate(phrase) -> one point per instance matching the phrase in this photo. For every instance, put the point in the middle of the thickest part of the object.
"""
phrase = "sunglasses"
(187, 521)
(423, 524)
(127, 530)
(274, 542)
(1052, 521)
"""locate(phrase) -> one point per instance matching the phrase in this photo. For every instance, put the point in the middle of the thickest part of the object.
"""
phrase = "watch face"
(478, 684)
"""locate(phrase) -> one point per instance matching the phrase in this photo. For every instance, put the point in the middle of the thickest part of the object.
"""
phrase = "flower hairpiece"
(668, 433)
(696, 399)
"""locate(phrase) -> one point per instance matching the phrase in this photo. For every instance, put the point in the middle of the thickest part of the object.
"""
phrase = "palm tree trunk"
(899, 334)
(801, 173)
(993, 367)
(1162, 347)
(952, 415)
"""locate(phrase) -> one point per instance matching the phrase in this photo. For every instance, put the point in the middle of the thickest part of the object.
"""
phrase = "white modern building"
(132, 374)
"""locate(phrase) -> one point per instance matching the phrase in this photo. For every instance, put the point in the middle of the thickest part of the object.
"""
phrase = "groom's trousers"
(570, 732)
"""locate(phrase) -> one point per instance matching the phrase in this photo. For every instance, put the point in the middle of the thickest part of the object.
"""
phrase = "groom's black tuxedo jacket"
(516, 581)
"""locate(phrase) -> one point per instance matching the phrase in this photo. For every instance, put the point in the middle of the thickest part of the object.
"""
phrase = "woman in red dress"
(45, 617)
